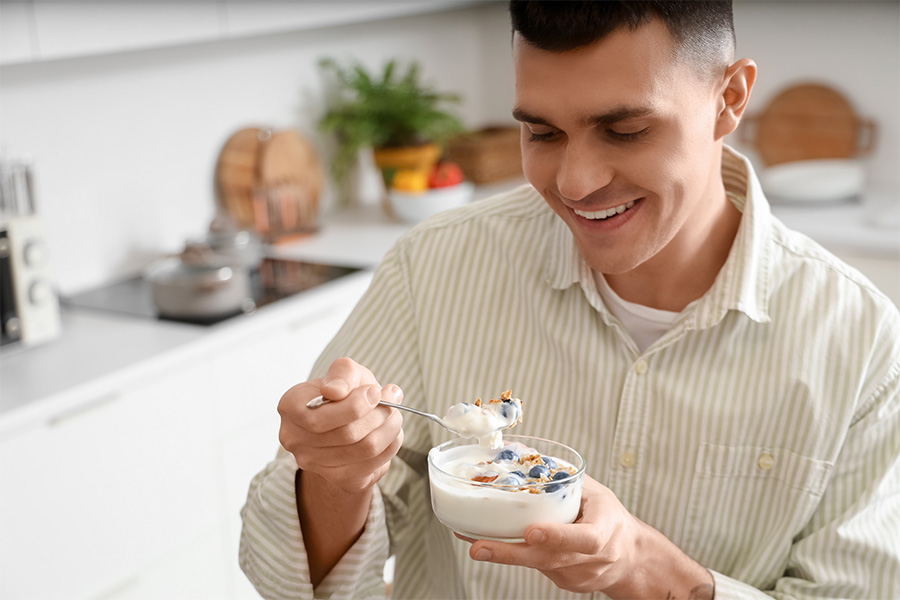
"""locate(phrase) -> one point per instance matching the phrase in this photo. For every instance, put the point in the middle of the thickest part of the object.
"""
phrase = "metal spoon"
(319, 401)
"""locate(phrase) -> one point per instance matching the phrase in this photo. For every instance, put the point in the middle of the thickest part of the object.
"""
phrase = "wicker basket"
(487, 155)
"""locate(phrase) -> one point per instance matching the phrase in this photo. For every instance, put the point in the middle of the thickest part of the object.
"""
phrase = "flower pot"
(389, 159)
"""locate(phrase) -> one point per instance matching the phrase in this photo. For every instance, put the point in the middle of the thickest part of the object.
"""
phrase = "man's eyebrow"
(524, 116)
(622, 113)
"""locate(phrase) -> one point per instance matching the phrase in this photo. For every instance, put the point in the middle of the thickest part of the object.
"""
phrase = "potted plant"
(403, 120)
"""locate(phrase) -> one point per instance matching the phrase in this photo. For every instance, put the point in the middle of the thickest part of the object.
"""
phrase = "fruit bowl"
(413, 207)
(491, 494)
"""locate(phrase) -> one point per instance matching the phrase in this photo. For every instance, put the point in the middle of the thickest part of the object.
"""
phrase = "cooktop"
(275, 279)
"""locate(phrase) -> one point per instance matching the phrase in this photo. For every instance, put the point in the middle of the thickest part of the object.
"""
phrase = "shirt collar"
(743, 282)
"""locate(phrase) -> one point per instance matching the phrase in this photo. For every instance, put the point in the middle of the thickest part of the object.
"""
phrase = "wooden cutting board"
(270, 182)
(807, 122)
(236, 174)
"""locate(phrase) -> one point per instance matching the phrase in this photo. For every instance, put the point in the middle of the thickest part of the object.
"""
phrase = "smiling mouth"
(606, 213)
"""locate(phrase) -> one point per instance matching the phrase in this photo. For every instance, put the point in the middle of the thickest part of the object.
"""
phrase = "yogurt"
(485, 420)
(498, 493)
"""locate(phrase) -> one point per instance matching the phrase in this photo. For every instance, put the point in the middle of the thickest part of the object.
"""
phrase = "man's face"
(622, 128)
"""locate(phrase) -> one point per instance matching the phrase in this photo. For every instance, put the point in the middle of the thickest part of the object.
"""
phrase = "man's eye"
(540, 137)
(628, 136)
(540, 134)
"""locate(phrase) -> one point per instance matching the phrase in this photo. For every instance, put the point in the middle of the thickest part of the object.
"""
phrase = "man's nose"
(583, 169)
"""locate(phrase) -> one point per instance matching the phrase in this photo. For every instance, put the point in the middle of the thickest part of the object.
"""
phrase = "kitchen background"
(125, 105)
(127, 445)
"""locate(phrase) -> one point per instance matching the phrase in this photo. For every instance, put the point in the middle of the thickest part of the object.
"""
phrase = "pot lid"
(197, 264)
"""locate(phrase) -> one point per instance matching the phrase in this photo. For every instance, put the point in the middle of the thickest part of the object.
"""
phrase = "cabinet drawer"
(88, 498)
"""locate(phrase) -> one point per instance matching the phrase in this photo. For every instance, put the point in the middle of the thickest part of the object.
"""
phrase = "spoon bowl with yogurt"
(483, 421)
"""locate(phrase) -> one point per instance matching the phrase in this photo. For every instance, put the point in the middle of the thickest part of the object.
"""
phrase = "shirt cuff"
(273, 555)
(360, 572)
(728, 588)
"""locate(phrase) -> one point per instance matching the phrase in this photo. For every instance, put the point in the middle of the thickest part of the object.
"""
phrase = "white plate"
(824, 180)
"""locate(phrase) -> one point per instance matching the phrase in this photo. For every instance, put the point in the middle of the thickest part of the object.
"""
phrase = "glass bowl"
(503, 508)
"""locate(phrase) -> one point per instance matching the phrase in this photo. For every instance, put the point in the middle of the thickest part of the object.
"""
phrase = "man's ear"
(736, 86)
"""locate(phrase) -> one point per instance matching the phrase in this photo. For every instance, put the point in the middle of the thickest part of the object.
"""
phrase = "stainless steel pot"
(199, 286)
(241, 245)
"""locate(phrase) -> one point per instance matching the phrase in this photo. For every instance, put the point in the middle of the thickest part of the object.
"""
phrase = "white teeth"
(602, 214)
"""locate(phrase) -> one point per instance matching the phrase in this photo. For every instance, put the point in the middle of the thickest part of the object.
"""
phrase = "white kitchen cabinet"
(16, 29)
(246, 18)
(91, 497)
(193, 570)
(68, 29)
(36, 30)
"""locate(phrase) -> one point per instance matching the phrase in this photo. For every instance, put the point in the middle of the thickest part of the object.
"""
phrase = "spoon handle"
(319, 401)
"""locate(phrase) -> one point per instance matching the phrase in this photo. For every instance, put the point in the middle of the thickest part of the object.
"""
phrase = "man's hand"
(607, 549)
(350, 441)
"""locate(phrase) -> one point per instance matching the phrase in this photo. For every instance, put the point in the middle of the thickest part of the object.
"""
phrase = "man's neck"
(688, 266)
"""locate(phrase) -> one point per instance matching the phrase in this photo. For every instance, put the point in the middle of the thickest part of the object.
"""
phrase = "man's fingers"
(371, 467)
(582, 538)
(523, 555)
(353, 407)
(343, 376)
(372, 444)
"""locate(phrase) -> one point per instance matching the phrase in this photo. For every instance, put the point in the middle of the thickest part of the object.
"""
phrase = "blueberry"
(511, 479)
(549, 462)
(560, 475)
(552, 487)
(519, 473)
(507, 455)
(509, 411)
(538, 471)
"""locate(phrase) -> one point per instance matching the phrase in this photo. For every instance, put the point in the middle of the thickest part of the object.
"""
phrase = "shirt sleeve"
(274, 558)
(851, 547)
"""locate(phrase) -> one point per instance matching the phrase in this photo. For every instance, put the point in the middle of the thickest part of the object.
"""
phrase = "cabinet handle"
(82, 409)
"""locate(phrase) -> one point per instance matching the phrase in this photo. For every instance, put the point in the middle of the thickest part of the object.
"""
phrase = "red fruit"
(445, 174)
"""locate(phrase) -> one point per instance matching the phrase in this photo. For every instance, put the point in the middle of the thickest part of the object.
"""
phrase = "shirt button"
(641, 367)
(765, 461)
(627, 459)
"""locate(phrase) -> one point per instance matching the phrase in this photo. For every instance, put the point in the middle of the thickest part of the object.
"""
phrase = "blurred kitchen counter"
(870, 225)
(97, 350)
(101, 352)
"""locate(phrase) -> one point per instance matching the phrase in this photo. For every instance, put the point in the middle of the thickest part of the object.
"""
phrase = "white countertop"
(870, 225)
(98, 352)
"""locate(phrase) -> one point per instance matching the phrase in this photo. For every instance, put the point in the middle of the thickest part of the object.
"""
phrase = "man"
(734, 388)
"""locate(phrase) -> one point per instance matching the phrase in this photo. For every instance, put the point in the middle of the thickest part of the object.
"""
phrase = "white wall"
(126, 144)
(850, 45)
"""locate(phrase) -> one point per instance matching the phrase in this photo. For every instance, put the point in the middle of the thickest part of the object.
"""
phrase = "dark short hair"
(703, 31)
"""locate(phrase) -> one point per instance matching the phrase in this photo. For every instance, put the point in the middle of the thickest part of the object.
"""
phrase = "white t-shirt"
(645, 325)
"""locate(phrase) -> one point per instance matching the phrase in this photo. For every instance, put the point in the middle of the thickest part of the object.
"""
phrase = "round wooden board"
(269, 181)
(807, 122)
(236, 174)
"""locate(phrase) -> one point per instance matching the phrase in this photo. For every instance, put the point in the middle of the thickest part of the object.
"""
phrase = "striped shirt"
(760, 433)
